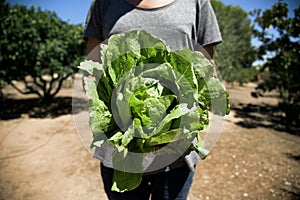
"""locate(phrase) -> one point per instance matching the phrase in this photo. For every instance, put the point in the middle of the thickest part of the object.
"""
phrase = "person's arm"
(93, 49)
(210, 50)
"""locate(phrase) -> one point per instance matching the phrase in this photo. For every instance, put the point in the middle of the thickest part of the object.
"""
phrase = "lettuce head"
(143, 96)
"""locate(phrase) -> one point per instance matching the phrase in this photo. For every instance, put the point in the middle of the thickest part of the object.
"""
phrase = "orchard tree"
(282, 67)
(4, 10)
(235, 55)
(38, 49)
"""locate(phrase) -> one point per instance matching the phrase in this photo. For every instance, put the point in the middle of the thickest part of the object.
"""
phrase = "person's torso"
(175, 23)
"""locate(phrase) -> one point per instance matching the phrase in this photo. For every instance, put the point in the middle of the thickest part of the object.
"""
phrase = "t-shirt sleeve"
(93, 23)
(209, 32)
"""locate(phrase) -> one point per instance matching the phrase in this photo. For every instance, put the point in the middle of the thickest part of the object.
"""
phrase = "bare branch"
(60, 83)
(29, 90)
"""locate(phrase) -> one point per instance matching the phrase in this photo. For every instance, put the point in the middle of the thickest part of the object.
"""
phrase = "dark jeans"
(174, 184)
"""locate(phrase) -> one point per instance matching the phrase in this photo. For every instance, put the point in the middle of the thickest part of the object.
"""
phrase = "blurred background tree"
(282, 66)
(38, 49)
(234, 57)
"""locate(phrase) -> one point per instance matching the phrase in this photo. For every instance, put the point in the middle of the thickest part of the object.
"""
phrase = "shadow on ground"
(15, 108)
(267, 116)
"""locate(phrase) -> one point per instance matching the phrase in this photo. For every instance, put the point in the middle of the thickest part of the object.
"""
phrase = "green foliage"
(145, 97)
(281, 70)
(236, 54)
(38, 49)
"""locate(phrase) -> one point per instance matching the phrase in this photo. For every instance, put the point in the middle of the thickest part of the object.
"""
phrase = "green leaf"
(100, 116)
(219, 97)
(128, 171)
(124, 181)
(91, 67)
(100, 120)
(200, 149)
(164, 138)
(179, 111)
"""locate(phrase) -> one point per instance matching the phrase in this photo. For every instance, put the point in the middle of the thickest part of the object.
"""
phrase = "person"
(179, 23)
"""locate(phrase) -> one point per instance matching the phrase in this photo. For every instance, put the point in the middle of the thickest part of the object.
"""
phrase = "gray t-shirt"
(182, 23)
(193, 18)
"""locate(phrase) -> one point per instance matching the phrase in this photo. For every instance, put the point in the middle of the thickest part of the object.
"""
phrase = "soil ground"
(42, 156)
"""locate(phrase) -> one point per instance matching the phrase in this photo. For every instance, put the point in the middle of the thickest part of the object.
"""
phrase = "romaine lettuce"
(145, 96)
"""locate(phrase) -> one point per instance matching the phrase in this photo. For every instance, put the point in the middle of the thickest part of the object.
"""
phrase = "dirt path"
(43, 159)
